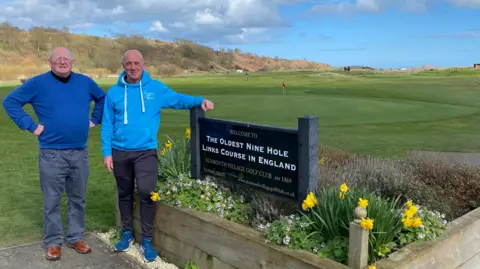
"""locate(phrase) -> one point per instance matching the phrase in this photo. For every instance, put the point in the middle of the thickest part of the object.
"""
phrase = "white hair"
(72, 56)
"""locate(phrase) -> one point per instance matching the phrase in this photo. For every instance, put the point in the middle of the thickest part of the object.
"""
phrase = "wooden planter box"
(459, 248)
(182, 234)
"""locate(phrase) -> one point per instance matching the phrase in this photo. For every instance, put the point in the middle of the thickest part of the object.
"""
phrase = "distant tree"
(38, 38)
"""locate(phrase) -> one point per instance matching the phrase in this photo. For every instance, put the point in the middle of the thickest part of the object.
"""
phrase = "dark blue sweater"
(63, 109)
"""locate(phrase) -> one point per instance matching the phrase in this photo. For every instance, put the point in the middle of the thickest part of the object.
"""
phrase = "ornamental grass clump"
(174, 159)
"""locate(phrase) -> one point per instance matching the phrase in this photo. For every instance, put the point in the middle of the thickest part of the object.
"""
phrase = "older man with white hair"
(61, 100)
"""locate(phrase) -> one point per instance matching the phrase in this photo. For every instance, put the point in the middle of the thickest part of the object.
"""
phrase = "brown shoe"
(53, 253)
(80, 247)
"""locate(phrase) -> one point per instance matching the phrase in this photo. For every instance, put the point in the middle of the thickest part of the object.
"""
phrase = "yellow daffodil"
(362, 202)
(416, 222)
(343, 188)
(367, 223)
(187, 133)
(413, 209)
(311, 197)
(409, 213)
(407, 222)
(154, 196)
(322, 160)
(412, 222)
(372, 267)
(169, 144)
(309, 202)
(164, 151)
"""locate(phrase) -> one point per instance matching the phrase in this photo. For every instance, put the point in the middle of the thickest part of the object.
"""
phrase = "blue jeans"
(62, 170)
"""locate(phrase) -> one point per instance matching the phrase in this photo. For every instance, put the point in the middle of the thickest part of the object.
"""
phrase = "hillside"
(24, 53)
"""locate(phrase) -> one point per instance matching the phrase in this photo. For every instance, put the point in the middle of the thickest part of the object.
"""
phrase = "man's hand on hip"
(39, 130)
(91, 124)
(207, 105)
(108, 163)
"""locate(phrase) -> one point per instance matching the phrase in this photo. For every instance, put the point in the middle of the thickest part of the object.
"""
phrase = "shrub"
(372, 174)
(442, 177)
(333, 156)
(419, 178)
(174, 159)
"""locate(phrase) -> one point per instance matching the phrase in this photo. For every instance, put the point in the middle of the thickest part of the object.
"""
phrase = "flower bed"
(322, 229)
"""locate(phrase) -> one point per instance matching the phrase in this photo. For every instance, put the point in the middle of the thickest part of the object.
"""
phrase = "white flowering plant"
(205, 196)
(292, 231)
(295, 232)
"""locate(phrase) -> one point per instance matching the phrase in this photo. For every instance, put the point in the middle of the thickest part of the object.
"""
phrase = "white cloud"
(206, 17)
(200, 20)
(375, 6)
(157, 26)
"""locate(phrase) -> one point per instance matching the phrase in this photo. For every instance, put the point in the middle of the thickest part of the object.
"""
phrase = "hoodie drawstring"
(141, 97)
(125, 114)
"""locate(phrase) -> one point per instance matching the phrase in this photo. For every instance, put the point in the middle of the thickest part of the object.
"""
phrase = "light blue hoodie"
(131, 115)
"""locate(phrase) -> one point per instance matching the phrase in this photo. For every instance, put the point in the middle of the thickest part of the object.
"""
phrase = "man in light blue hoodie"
(131, 118)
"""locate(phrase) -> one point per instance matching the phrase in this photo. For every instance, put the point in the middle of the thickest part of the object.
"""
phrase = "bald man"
(131, 119)
(61, 100)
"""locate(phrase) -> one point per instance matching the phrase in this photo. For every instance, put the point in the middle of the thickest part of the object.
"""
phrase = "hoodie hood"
(122, 83)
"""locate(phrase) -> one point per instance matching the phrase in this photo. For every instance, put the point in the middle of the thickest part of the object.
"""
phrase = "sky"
(376, 33)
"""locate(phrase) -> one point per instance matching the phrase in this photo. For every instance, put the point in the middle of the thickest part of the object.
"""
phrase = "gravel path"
(32, 256)
(134, 253)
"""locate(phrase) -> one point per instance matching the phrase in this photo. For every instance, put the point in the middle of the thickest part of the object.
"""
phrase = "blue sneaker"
(149, 254)
(125, 242)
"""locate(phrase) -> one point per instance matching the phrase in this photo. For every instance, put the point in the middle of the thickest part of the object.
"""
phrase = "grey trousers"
(62, 170)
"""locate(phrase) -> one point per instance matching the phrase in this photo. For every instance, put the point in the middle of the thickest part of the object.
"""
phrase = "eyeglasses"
(61, 59)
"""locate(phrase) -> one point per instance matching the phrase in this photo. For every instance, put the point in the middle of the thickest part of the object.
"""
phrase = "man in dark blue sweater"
(61, 100)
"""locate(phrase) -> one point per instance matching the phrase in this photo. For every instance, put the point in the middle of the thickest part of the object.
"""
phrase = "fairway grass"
(382, 115)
